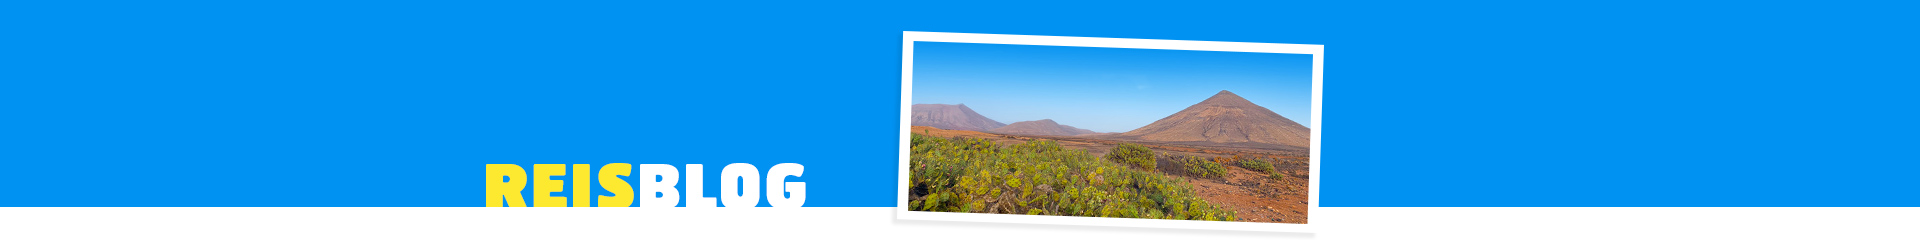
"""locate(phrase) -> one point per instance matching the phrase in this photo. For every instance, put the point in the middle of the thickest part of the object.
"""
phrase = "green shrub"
(1039, 178)
(1202, 167)
(1276, 175)
(1040, 146)
(1135, 154)
(1255, 164)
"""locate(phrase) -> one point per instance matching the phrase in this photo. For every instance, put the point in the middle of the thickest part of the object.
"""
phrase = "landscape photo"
(1110, 132)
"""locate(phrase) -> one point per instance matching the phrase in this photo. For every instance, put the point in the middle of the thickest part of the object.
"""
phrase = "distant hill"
(1041, 127)
(952, 117)
(1225, 118)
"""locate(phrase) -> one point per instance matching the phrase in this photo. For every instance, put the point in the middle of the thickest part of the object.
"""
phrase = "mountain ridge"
(952, 117)
(1041, 127)
(1225, 118)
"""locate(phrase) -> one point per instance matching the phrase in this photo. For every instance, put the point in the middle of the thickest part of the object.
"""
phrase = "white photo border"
(906, 108)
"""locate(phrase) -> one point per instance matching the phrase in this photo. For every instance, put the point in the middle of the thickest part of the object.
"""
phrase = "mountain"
(952, 117)
(1041, 127)
(1225, 118)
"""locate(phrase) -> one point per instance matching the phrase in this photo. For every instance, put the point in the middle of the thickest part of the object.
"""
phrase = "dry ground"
(1251, 194)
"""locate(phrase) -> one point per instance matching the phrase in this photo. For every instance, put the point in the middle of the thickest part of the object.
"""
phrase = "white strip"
(1618, 223)
(1114, 42)
(878, 223)
(538, 224)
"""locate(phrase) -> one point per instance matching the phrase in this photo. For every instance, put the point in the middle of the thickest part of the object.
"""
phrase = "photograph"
(1106, 132)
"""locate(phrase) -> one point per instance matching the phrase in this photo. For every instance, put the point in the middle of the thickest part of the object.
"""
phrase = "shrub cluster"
(1257, 164)
(1134, 154)
(1040, 178)
(1202, 167)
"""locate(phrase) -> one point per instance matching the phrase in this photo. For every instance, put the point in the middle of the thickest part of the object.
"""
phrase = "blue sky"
(1104, 89)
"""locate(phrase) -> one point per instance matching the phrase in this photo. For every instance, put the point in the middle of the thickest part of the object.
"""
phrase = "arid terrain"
(1265, 154)
(1252, 194)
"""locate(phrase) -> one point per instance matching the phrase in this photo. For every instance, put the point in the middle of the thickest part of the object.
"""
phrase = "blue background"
(331, 103)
